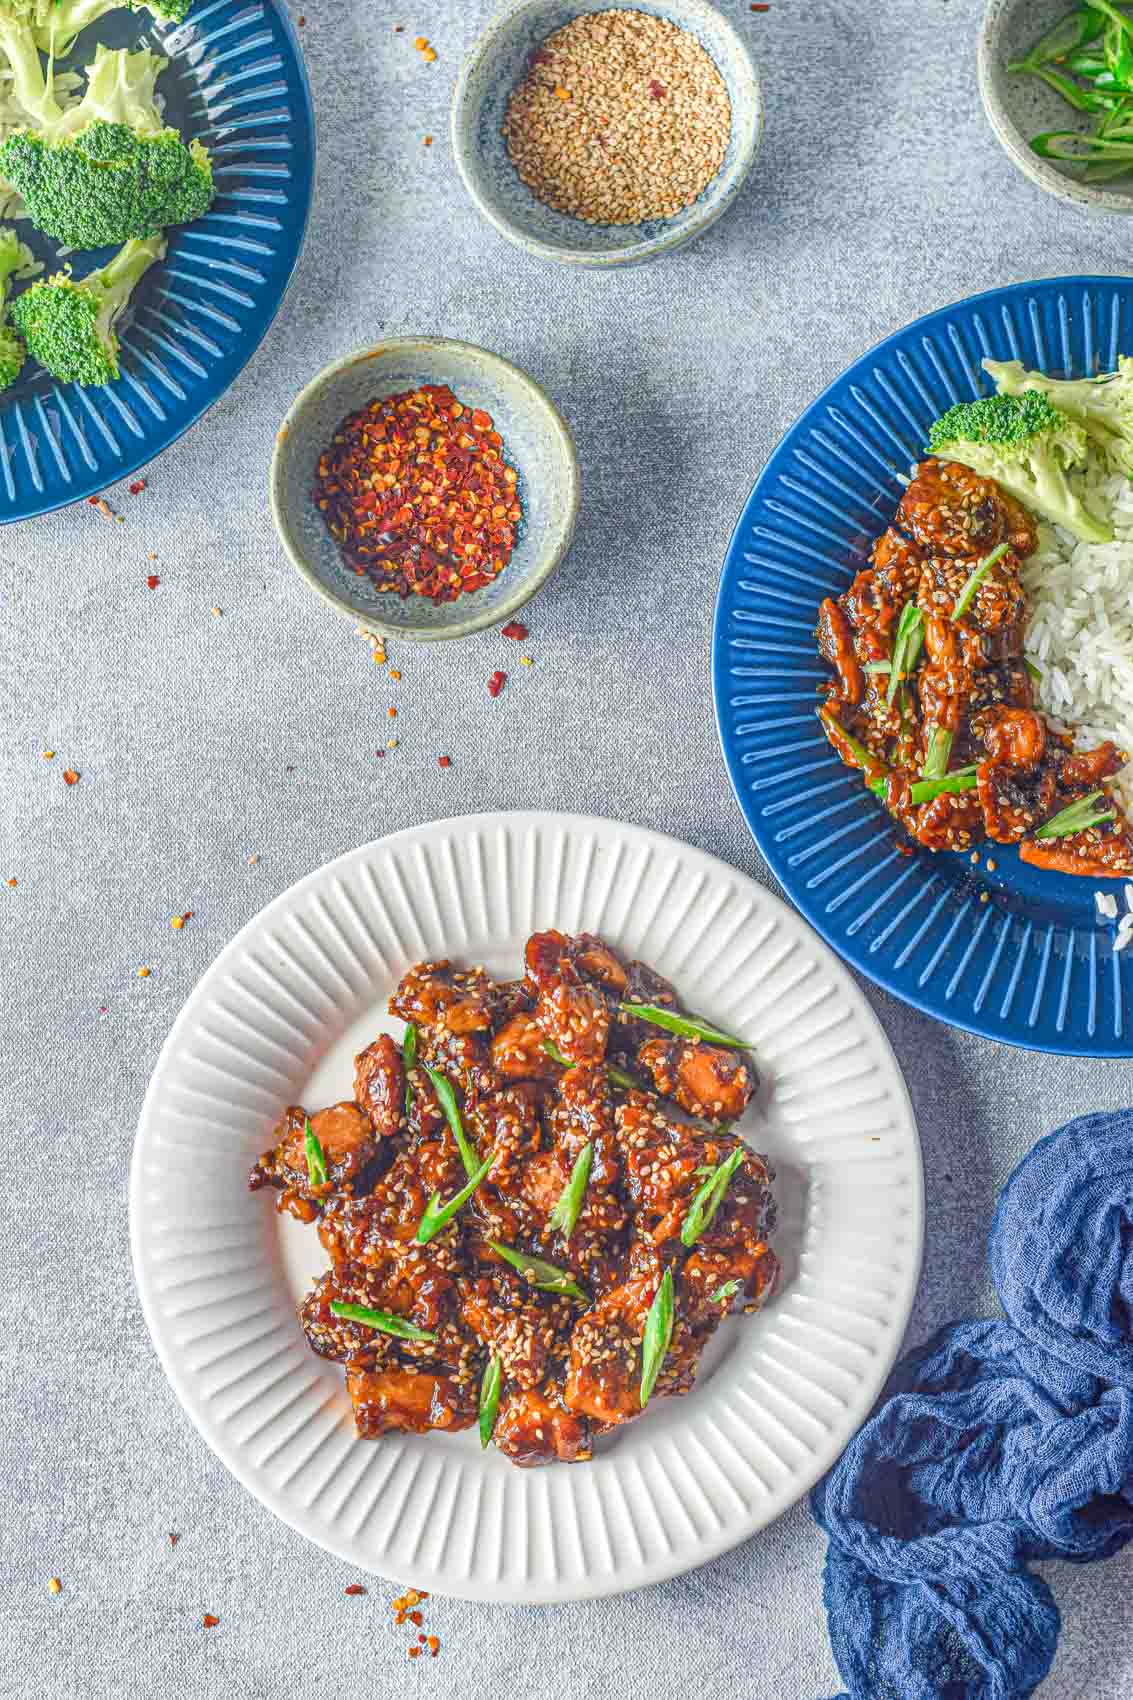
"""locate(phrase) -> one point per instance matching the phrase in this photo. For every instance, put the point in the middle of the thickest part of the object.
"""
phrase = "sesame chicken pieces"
(929, 695)
(556, 1293)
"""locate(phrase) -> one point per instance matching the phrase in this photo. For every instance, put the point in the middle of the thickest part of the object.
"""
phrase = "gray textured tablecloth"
(204, 740)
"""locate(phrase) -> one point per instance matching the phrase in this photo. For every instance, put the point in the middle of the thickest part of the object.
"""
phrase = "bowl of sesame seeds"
(598, 136)
(424, 487)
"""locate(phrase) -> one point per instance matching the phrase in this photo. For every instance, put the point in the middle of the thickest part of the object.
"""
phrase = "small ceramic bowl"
(536, 441)
(1019, 107)
(499, 61)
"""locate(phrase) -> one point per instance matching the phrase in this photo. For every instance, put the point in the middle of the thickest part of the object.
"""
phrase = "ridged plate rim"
(1025, 1018)
(566, 1513)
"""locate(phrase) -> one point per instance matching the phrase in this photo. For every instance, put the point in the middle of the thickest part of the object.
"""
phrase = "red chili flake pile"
(496, 683)
(417, 494)
(514, 629)
(354, 1588)
(405, 1603)
(405, 1610)
(136, 487)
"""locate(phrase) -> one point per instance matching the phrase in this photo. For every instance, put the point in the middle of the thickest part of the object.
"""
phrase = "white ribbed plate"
(277, 1020)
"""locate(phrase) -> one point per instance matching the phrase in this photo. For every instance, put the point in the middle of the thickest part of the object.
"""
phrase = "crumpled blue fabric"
(997, 1443)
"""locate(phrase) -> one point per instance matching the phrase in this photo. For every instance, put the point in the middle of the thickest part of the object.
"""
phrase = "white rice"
(1080, 636)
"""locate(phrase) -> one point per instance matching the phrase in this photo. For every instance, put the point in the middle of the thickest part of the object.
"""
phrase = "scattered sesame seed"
(527, 661)
(54, 1586)
(49, 755)
(429, 55)
(144, 973)
(216, 612)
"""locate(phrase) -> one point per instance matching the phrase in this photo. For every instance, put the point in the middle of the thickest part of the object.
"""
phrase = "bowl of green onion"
(1056, 80)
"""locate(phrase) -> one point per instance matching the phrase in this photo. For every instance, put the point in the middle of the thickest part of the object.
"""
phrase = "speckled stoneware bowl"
(499, 61)
(1019, 107)
(537, 442)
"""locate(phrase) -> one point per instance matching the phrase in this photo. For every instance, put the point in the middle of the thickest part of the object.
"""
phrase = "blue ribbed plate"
(235, 81)
(1028, 963)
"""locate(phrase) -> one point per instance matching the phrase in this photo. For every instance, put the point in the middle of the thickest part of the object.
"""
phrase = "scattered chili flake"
(173, 1539)
(496, 683)
(178, 921)
(209, 1621)
(417, 502)
(394, 674)
(416, 1617)
(49, 755)
(414, 1652)
(144, 973)
(137, 486)
(380, 753)
(760, 6)
(70, 777)
(416, 1620)
(429, 55)
(216, 612)
(527, 661)
(428, 141)
(13, 881)
(54, 1586)
(301, 21)
(392, 713)
(153, 581)
(405, 1603)
(561, 93)
(399, 29)
(444, 761)
(105, 509)
(656, 89)
(421, 43)
(434, 1645)
(354, 1588)
(514, 629)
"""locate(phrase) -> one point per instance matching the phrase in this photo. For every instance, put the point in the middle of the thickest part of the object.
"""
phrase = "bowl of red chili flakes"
(425, 488)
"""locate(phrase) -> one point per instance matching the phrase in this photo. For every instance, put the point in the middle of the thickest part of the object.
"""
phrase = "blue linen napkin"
(997, 1443)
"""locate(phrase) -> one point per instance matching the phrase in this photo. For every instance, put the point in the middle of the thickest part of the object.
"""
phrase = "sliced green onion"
(937, 752)
(1032, 669)
(656, 1337)
(865, 759)
(618, 1076)
(490, 1397)
(438, 1215)
(548, 1277)
(316, 1161)
(1065, 37)
(1108, 10)
(709, 1198)
(924, 790)
(906, 647)
(1076, 817)
(382, 1319)
(967, 595)
(724, 1293)
(447, 1100)
(409, 1061)
(878, 667)
(688, 1026)
(565, 1214)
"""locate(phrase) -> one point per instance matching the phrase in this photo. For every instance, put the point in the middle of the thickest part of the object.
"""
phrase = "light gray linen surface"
(204, 740)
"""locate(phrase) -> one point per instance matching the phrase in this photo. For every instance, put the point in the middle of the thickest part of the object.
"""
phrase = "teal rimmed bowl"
(536, 441)
(499, 61)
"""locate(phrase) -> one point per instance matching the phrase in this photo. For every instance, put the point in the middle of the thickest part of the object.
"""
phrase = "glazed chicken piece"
(836, 645)
(411, 1401)
(706, 1080)
(1104, 851)
(949, 510)
(1014, 801)
(348, 1146)
(604, 1380)
(999, 603)
(379, 1086)
(753, 1266)
(417, 1284)
(435, 994)
(519, 1051)
(535, 1427)
(571, 1013)
(1081, 771)
(511, 1318)
(951, 821)
(361, 1230)
(583, 1114)
(897, 568)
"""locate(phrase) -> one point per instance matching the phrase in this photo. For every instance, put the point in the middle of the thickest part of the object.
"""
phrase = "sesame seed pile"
(622, 117)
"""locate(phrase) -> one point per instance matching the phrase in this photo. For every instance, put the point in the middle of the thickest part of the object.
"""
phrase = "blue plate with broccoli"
(994, 937)
(155, 178)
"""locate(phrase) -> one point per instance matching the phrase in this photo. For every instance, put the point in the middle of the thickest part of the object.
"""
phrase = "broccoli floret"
(69, 327)
(1102, 406)
(14, 256)
(59, 21)
(1027, 445)
(108, 169)
(31, 88)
